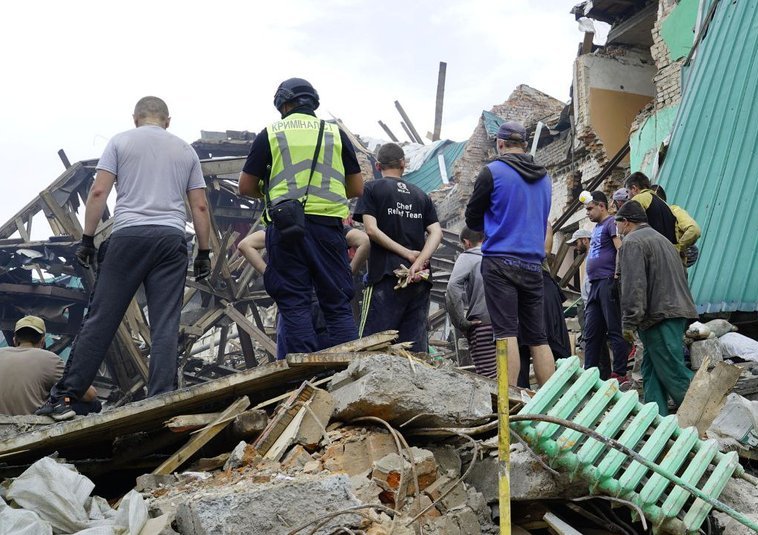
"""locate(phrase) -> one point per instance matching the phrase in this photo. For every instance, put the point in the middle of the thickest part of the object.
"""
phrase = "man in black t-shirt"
(402, 224)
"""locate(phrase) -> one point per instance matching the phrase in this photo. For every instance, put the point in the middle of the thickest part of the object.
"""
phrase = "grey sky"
(73, 70)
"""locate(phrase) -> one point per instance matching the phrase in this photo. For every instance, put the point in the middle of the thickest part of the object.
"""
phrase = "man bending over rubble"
(656, 302)
(511, 204)
(153, 172)
(401, 223)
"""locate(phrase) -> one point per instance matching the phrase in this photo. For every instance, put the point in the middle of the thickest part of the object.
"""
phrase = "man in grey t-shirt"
(153, 171)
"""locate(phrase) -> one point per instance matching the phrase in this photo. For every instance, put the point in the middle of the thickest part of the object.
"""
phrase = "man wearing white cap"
(28, 371)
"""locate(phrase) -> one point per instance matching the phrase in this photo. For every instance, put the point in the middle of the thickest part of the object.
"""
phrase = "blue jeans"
(318, 263)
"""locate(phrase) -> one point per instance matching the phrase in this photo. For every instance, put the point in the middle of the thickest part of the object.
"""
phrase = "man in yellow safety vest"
(306, 169)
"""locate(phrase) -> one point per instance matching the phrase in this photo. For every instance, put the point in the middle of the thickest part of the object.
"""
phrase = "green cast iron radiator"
(580, 396)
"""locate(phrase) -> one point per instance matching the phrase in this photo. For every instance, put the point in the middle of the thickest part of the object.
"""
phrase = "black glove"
(202, 264)
(691, 255)
(85, 253)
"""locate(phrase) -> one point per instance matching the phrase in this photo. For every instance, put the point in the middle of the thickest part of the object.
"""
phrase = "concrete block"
(700, 349)
(529, 479)
(148, 482)
(448, 460)
(444, 396)
(269, 509)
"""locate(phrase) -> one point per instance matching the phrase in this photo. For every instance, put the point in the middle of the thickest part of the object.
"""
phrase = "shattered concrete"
(529, 479)
(390, 388)
(270, 509)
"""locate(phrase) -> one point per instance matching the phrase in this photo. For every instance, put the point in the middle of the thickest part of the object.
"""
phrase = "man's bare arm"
(251, 247)
(433, 240)
(381, 239)
(248, 185)
(360, 240)
(201, 220)
(354, 185)
(96, 200)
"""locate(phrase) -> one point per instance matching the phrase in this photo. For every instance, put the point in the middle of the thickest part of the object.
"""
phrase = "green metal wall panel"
(712, 164)
(427, 177)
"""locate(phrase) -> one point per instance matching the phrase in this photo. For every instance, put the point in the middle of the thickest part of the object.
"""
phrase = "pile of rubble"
(392, 444)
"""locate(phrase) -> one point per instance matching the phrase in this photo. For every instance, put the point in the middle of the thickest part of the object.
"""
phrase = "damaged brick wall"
(526, 105)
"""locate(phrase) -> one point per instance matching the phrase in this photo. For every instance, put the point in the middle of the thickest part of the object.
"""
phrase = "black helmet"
(293, 89)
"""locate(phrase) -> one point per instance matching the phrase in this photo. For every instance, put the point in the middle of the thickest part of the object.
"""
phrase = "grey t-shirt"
(154, 170)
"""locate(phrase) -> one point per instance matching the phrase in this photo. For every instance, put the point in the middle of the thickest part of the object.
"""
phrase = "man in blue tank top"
(511, 204)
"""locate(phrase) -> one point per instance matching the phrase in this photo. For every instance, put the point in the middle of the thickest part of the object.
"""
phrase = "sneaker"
(57, 410)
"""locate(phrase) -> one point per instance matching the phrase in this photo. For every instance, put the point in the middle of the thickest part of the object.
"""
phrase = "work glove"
(86, 252)
(629, 335)
(202, 264)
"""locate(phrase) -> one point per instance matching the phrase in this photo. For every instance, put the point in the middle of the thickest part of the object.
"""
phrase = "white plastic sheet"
(738, 345)
(59, 496)
(21, 522)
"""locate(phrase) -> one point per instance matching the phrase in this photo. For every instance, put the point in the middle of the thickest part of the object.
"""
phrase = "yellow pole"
(504, 438)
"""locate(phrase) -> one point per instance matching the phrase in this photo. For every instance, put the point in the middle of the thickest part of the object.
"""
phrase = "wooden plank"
(70, 224)
(380, 339)
(34, 206)
(388, 132)
(706, 395)
(202, 438)
(226, 166)
(560, 526)
(22, 231)
(279, 431)
(439, 101)
(409, 125)
(141, 415)
(247, 326)
(572, 270)
(277, 399)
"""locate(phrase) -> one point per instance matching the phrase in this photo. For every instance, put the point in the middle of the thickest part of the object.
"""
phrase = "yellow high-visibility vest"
(293, 141)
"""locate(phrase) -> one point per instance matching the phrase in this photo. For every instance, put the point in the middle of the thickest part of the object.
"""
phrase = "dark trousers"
(405, 310)
(155, 256)
(602, 322)
(317, 262)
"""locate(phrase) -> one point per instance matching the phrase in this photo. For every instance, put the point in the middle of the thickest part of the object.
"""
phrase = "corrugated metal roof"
(711, 168)
(428, 177)
(491, 123)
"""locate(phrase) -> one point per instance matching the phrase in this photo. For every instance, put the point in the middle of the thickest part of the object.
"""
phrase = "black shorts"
(515, 299)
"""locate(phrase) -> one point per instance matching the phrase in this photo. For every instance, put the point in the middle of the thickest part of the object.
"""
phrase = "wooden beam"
(202, 438)
(388, 132)
(572, 270)
(439, 100)
(408, 132)
(141, 415)
(408, 122)
(69, 223)
(373, 341)
(245, 324)
(226, 166)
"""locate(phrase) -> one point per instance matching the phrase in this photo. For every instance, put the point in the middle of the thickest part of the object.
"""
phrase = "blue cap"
(512, 131)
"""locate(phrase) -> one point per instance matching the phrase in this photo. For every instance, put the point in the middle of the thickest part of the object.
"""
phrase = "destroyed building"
(665, 94)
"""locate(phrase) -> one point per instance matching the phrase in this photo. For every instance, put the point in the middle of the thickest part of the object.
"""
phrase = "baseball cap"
(632, 211)
(512, 131)
(581, 233)
(31, 322)
(621, 194)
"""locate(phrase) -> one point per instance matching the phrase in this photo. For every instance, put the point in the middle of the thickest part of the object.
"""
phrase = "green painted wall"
(645, 142)
(678, 29)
